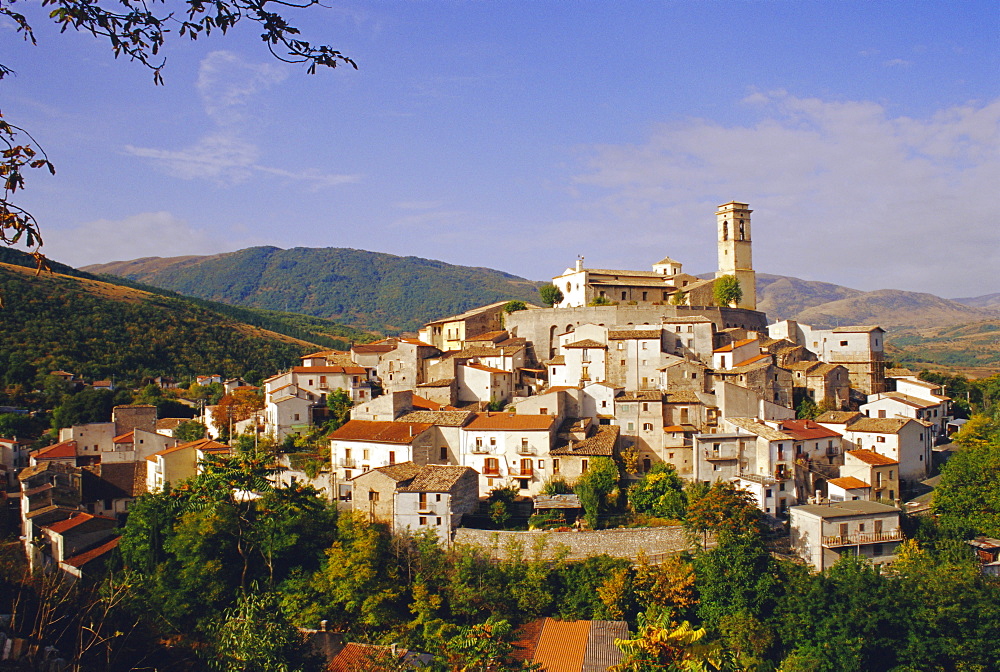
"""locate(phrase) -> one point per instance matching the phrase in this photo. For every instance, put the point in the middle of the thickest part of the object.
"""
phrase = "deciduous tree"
(727, 291)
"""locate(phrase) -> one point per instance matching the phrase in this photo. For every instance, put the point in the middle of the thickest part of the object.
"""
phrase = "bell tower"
(733, 220)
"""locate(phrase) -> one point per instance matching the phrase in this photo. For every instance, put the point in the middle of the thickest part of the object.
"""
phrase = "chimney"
(322, 625)
(579, 264)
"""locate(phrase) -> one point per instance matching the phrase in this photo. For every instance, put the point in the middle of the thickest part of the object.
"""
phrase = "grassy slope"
(369, 290)
(98, 330)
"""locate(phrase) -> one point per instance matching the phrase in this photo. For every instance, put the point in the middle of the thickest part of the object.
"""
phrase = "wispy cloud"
(842, 190)
(897, 63)
(228, 86)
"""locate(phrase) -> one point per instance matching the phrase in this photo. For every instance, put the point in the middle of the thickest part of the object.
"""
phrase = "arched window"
(725, 230)
(743, 233)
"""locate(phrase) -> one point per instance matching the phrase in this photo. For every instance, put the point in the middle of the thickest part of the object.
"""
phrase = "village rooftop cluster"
(638, 366)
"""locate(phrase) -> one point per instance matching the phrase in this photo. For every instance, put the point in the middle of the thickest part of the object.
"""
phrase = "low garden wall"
(655, 542)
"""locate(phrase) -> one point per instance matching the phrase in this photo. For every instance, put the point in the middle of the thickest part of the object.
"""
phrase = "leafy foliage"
(550, 294)
(367, 289)
(98, 331)
(968, 498)
(594, 487)
(659, 493)
(727, 291)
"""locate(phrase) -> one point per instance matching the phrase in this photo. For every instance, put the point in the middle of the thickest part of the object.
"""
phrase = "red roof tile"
(871, 457)
(63, 450)
(510, 421)
(82, 559)
(804, 430)
(380, 432)
(562, 645)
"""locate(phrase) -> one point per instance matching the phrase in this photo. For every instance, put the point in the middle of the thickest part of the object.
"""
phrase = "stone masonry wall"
(618, 543)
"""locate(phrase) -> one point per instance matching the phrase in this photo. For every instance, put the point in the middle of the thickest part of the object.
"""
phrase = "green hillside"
(98, 330)
(370, 290)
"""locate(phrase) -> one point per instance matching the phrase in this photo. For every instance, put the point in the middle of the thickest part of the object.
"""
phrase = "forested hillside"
(371, 290)
(99, 330)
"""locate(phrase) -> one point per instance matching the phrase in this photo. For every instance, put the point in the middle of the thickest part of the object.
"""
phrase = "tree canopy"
(727, 291)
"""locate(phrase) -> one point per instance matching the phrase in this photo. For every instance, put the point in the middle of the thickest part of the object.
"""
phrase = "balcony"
(724, 453)
(480, 450)
(525, 450)
(347, 462)
(832, 452)
(521, 472)
(863, 538)
(756, 478)
(491, 471)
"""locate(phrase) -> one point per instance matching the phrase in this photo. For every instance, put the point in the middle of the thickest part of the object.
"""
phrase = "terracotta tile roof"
(421, 404)
(805, 430)
(362, 657)
(169, 423)
(59, 451)
(487, 369)
(562, 645)
(527, 639)
(857, 330)
(759, 428)
(733, 346)
(511, 421)
(848, 483)
(349, 370)
(444, 382)
(801, 366)
(206, 445)
(626, 334)
(839, 417)
(586, 343)
(373, 348)
(321, 353)
(640, 395)
(906, 399)
(380, 432)
(601, 444)
(753, 360)
(624, 274)
(878, 425)
(79, 519)
(871, 457)
(81, 559)
(469, 313)
(403, 471)
(489, 336)
(439, 418)
(558, 388)
(681, 397)
(438, 478)
(482, 351)
(127, 437)
(602, 652)
(558, 360)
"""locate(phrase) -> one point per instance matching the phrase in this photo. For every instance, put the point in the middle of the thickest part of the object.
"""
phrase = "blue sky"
(518, 135)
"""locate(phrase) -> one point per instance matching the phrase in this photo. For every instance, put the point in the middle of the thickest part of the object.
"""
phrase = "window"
(296, 416)
(645, 407)
(644, 298)
(604, 403)
(768, 493)
(541, 464)
(555, 466)
(781, 487)
(647, 464)
(881, 414)
(621, 346)
(364, 453)
(372, 496)
(543, 411)
(493, 441)
(347, 474)
(439, 520)
(843, 344)
(861, 527)
(491, 466)
(444, 453)
(524, 442)
(880, 439)
(647, 426)
(392, 457)
(479, 442)
(422, 499)
(423, 520)
(843, 529)
(631, 427)
(522, 483)
(583, 466)
(623, 296)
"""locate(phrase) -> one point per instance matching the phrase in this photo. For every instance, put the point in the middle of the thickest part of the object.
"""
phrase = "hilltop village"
(642, 367)
(674, 391)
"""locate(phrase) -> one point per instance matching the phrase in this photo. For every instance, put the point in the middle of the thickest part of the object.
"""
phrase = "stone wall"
(618, 543)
